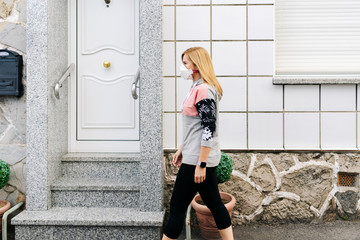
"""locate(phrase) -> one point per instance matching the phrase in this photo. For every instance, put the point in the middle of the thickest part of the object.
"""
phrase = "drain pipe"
(188, 223)
(4, 219)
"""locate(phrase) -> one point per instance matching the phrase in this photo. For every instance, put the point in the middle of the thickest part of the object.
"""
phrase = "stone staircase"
(97, 197)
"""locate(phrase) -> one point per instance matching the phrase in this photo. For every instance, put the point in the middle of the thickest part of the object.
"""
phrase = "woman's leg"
(209, 193)
(184, 191)
(167, 238)
(227, 233)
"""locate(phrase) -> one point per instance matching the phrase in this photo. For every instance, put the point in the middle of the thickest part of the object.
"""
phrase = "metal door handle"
(134, 85)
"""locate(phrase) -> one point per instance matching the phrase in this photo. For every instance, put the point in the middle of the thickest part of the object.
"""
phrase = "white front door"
(105, 49)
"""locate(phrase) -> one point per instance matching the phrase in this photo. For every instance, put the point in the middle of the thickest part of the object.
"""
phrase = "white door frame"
(85, 146)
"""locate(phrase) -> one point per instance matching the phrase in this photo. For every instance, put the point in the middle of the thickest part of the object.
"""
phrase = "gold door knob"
(107, 64)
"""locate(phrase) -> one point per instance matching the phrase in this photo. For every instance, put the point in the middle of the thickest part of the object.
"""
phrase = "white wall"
(254, 113)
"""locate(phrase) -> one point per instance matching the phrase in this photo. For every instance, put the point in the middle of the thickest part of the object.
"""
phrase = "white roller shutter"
(317, 37)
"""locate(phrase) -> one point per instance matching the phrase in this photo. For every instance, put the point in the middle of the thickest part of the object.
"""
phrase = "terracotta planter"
(4, 206)
(206, 220)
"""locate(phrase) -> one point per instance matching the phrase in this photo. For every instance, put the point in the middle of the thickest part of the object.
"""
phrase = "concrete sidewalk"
(339, 230)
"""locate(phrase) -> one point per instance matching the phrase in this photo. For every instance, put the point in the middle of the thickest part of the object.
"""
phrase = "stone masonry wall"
(13, 109)
(286, 187)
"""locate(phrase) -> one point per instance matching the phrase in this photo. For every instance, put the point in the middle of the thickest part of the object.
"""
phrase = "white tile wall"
(168, 61)
(169, 19)
(234, 94)
(260, 58)
(229, 23)
(260, 1)
(179, 129)
(358, 129)
(301, 97)
(338, 97)
(263, 95)
(168, 2)
(265, 130)
(169, 94)
(228, 1)
(358, 97)
(169, 130)
(232, 130)
(301, 131)
(260, 22)
(251, 106)
(182, 89)
(180, 2)
(338, 130)
(182, 46)
(192, 23)
(229, 58)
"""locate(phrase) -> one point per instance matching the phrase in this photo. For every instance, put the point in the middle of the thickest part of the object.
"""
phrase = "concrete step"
(101, 165)
(88, 223)
(95, 192)
(127, 157)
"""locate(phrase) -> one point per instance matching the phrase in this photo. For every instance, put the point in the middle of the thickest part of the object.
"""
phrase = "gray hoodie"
(200, 124)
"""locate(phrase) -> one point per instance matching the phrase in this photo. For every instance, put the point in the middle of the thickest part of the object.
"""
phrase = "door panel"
(94, 115)
(105, 108)
(110, 27)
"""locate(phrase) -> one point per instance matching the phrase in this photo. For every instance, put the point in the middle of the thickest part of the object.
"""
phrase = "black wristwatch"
(202, 164)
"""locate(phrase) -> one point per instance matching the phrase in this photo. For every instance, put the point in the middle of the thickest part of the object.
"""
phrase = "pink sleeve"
(201, 93)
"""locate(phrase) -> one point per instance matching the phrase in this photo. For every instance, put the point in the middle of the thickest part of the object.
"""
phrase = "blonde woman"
(199, 153)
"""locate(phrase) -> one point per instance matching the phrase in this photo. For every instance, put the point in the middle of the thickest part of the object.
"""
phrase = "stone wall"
(286, 187)
(13, 109)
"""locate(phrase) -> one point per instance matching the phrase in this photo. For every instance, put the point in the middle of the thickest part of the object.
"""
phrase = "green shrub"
(4, 173)
(224, 169)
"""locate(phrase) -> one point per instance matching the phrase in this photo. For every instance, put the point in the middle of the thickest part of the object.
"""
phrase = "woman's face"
(188, 63)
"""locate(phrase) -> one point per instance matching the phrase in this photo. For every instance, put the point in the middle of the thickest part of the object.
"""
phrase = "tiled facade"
(254, 113)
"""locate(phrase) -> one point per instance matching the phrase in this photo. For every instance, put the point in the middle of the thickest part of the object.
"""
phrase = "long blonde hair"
(201, 59)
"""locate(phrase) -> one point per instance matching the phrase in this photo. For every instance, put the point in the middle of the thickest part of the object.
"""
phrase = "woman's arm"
(204, 153)
(207, 113)
(177, 158)
(200, 173)
(180, 149)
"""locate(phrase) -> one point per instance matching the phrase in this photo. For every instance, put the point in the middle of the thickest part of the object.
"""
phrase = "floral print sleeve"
(207, 113)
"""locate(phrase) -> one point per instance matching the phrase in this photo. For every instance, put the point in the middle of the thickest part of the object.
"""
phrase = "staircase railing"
(66, 74)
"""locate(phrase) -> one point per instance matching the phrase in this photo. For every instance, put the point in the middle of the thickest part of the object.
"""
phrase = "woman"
(199, 154)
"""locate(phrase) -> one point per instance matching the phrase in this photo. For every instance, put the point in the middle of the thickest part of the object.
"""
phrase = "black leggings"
(184, 191)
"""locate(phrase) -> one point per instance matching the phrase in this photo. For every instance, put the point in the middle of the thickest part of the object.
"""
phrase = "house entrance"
(104, 45)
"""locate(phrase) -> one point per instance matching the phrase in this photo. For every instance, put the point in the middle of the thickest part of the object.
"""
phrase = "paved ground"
(339, 230)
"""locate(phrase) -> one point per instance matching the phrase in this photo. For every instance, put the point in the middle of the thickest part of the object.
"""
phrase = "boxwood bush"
(224, 169)
(4, 173)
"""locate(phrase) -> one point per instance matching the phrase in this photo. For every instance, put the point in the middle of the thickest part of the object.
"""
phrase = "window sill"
(321, 79)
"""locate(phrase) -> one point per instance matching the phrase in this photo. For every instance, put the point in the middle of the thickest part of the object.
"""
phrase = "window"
(317, 41)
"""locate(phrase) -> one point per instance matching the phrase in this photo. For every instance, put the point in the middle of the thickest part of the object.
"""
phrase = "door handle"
(134, 85)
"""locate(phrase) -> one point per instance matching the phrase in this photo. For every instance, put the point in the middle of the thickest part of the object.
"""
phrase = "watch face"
(203, 164)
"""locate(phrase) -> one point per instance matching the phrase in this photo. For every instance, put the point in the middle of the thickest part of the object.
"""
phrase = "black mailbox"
(11, 65)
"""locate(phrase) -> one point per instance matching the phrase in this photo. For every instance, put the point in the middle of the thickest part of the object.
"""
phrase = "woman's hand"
(200, 174)
(177, 159)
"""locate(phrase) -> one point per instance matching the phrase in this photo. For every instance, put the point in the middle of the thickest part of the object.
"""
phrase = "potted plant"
(4, 179)
(204, 216)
